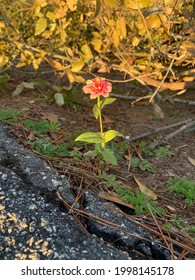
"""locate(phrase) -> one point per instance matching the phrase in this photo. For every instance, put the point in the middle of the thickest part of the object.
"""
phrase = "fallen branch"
(176, 132)
(157, 130)
(136, 98)
(180, 130)
(189, 102)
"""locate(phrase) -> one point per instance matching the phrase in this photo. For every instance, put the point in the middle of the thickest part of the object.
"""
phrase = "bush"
(74, 36)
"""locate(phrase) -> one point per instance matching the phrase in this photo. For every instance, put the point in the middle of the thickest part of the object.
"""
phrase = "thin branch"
(127, 97)
(157, 130)
(180, 130)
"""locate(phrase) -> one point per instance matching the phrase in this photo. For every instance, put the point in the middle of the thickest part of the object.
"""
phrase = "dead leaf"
(59, 98)
(191, 160)
(159, 114)
(107, 119)
(114, 198)
(129, 158)
(170, 208)
(50, 117)
(55, 64)
(144, 189)
(31, 136)
(77, 148)
(99, 66)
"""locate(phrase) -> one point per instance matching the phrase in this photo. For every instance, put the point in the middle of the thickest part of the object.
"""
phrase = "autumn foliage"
(136, 37)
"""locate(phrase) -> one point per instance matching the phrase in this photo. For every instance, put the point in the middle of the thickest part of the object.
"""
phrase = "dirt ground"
(132, 121)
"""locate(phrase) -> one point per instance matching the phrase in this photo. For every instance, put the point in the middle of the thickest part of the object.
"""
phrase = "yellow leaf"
(37, 62)
(47, 34)
(116, 38)
(142, 64)
(123, 64)
(88, 56)
(181, 92)
(19, 64)
(72, 4)
(112, 3)
(135, 41)
(52, 27)
(70, 76)
(145, 3)
(144, 189)
(42, 3)
(51, 15)
(61, 12)
(121, 26)
(132, 4)
(69, 51)
(168, 2)
(97, 44)
(140, 26)
(77, 66)
(79, 79)
(2, 25)
(55, 64)
(63, 36)
(155, 20)
(188, 79)
(40, 26)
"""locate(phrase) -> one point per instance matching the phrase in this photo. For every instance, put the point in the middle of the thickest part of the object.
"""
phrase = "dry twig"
(186, 124)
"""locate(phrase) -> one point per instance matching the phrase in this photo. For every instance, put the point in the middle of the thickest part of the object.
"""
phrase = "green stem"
(100, 119)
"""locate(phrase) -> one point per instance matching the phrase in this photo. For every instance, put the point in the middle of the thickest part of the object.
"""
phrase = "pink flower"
(96, 87)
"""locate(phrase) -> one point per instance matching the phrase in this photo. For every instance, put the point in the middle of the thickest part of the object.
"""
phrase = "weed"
(110, 180)
(42, 126)
(9, 115)
(163, 152)
(119, 149)
(43, 146)
(138, 199)
(158, 153)
(181, 223)
(144, 165)
(183, 188)
(191, 229)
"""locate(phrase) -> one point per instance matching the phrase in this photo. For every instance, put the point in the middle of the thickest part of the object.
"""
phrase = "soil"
(131, 121)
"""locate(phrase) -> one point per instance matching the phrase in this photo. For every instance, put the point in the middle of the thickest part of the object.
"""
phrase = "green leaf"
(40, 26)
(90, 137)
(107, 101)
(110, 134)
(97, 147)
(96, 111)
(108, 156)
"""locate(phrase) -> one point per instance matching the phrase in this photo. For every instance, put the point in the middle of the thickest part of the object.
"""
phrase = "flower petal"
(96, 87)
